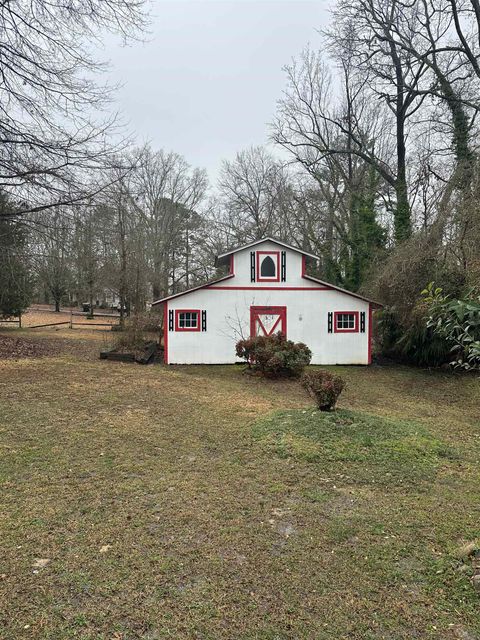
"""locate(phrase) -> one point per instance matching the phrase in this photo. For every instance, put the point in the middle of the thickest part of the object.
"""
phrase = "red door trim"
(255, 311)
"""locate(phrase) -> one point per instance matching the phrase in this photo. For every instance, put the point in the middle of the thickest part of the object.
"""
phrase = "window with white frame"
(346, 321)
(187, 320)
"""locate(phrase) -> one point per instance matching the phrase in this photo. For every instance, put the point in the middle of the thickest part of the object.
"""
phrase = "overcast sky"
(206, 82)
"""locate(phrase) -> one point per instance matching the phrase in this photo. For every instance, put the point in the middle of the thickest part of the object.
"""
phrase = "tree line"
(373, 164)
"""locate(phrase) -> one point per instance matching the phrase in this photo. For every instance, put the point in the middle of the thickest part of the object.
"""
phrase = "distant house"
(267, 289)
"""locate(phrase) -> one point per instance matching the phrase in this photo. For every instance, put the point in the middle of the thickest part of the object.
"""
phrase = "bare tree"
(52, 253)
(169, 193)
(252, 191)
(50, 138)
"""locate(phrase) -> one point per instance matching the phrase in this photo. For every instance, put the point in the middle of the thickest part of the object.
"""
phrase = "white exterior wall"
(228, 316)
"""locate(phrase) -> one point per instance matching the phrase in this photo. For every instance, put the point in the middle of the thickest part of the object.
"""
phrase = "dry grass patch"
(137, 503)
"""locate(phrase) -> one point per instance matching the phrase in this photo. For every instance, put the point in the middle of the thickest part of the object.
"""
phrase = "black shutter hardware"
(170, 320)
(283, 269)
(330, 322)
(252, 266)
(204, 320)
(362, 322)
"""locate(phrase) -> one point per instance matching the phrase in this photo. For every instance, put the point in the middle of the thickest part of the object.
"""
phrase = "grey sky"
(206, 82)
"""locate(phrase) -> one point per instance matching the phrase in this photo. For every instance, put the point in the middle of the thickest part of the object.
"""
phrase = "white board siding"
(228, 318)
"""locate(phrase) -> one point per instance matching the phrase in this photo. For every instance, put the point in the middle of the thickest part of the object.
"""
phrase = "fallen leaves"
(14, 348)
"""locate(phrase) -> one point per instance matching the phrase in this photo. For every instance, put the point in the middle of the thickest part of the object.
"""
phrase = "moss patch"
(374, 449)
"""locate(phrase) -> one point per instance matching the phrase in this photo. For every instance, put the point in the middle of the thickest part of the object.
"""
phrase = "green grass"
(371, 449)
(195, 502)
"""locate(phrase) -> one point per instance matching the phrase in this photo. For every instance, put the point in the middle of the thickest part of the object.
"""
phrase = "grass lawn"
(196, 502)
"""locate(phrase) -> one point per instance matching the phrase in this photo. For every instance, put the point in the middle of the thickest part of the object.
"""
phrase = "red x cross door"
(265, 321)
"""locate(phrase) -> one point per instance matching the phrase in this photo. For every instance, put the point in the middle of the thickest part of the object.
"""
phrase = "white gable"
(249, 264)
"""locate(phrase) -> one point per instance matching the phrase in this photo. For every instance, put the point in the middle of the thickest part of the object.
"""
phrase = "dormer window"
(268, 266)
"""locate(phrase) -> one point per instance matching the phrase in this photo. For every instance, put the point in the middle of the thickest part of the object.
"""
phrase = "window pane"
(346, 321)
(268, 269)
(188, 320)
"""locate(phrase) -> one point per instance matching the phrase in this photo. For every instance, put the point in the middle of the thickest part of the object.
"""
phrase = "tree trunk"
(402, 221)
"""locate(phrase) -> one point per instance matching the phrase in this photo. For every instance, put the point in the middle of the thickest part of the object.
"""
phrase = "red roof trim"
(349, 293)
(278, 288)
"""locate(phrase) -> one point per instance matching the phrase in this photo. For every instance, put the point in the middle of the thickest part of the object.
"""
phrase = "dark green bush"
(457, 322)
(274, 356)
(324, 386)
(414, 342)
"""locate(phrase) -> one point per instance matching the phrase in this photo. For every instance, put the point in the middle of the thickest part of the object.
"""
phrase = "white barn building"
(267, 289)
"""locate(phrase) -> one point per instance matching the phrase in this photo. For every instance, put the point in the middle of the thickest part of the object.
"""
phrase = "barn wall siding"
(228, 313)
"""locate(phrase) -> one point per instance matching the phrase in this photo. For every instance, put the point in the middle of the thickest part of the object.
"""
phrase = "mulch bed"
(15, 348)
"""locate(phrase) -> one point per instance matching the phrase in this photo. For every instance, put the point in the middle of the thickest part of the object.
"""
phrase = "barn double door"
(265, 321)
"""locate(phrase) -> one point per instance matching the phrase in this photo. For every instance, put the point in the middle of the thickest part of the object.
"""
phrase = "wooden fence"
(49, 324)
(14, 321)
(71, 323)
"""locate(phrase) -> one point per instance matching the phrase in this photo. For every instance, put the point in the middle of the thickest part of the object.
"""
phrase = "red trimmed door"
(265, 321)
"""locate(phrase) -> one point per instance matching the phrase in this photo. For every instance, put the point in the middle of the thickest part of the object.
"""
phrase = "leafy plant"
(324, 387)
(274, 356)
(458, 322)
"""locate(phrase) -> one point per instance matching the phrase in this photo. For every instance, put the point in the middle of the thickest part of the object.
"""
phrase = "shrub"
(415, 342)
(15, 280)
(324, 387)
(274, 356)
(457, 322)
